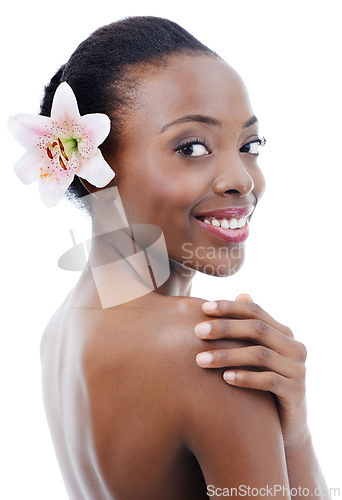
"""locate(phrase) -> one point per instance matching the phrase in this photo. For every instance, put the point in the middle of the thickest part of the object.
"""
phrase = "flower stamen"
(48, 152)
(61, 162)
(61, 147)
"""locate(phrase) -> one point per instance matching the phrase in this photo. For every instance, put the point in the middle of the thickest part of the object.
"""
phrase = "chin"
(218, 261)
(222, 270)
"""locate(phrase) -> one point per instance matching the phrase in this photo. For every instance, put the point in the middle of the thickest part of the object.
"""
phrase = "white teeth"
(241, 222)
(233, 224)
(225, 224)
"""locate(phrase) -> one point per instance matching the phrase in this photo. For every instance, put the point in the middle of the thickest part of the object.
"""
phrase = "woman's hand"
(280, 357)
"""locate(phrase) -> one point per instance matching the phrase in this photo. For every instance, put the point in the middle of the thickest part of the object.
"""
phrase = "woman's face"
(187, 161)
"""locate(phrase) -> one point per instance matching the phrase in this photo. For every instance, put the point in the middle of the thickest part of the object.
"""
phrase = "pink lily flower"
(60, 147)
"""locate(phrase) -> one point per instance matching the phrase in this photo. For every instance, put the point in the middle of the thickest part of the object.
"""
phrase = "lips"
(229, 224)
(226, 213)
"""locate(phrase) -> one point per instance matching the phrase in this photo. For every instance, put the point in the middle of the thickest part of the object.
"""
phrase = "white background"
(289, 56)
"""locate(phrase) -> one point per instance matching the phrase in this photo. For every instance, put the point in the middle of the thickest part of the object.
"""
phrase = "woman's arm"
(235, 435)
(282, 360)
(304, 470)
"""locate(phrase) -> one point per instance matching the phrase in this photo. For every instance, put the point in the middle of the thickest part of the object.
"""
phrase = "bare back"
(129, 409)
(114, 420)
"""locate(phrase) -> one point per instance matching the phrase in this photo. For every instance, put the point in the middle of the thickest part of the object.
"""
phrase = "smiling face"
(187, 161)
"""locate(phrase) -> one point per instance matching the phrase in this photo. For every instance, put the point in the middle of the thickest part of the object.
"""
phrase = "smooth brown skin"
(131, 413)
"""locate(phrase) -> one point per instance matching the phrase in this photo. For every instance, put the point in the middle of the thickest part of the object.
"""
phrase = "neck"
(180, 281)
(128, 263)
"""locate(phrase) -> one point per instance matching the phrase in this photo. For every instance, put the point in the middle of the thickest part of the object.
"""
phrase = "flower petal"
(28, 129)
(53, 183)
(96, 170)
(64, 106)
(51, 141)
(85, 145)
(28, 167)
(97, 126)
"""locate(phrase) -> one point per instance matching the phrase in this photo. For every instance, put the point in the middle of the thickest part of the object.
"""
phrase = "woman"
(132, 415)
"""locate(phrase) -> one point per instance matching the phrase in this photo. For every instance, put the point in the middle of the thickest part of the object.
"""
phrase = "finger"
(254, 330)
(244, 297)
(248, 329)
(257, 356)
(243, 310)
(263, 381)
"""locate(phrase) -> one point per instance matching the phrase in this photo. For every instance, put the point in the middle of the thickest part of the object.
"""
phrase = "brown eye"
(194, 148)
(253, 146)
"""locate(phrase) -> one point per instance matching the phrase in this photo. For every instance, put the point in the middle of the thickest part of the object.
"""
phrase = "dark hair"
(99, 69)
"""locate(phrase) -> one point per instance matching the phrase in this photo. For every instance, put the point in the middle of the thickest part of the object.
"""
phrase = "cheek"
(158, 193)
(172, 200)
(173, 186)
(178, 192)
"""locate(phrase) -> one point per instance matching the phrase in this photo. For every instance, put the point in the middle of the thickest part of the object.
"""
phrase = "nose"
(233, 178)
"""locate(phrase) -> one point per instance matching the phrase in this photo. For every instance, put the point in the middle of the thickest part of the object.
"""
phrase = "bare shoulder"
(176, 332)
(156, 336)
(234, 433)
(139, 367)
(150, 345)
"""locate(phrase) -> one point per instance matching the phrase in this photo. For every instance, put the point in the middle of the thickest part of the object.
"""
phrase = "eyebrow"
(253, 119)
(208, 120)
(192, 118)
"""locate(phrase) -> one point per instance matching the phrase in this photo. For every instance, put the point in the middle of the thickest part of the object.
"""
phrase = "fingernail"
(204, 358)
(203, 329)
(209, 306)
(229, 376)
